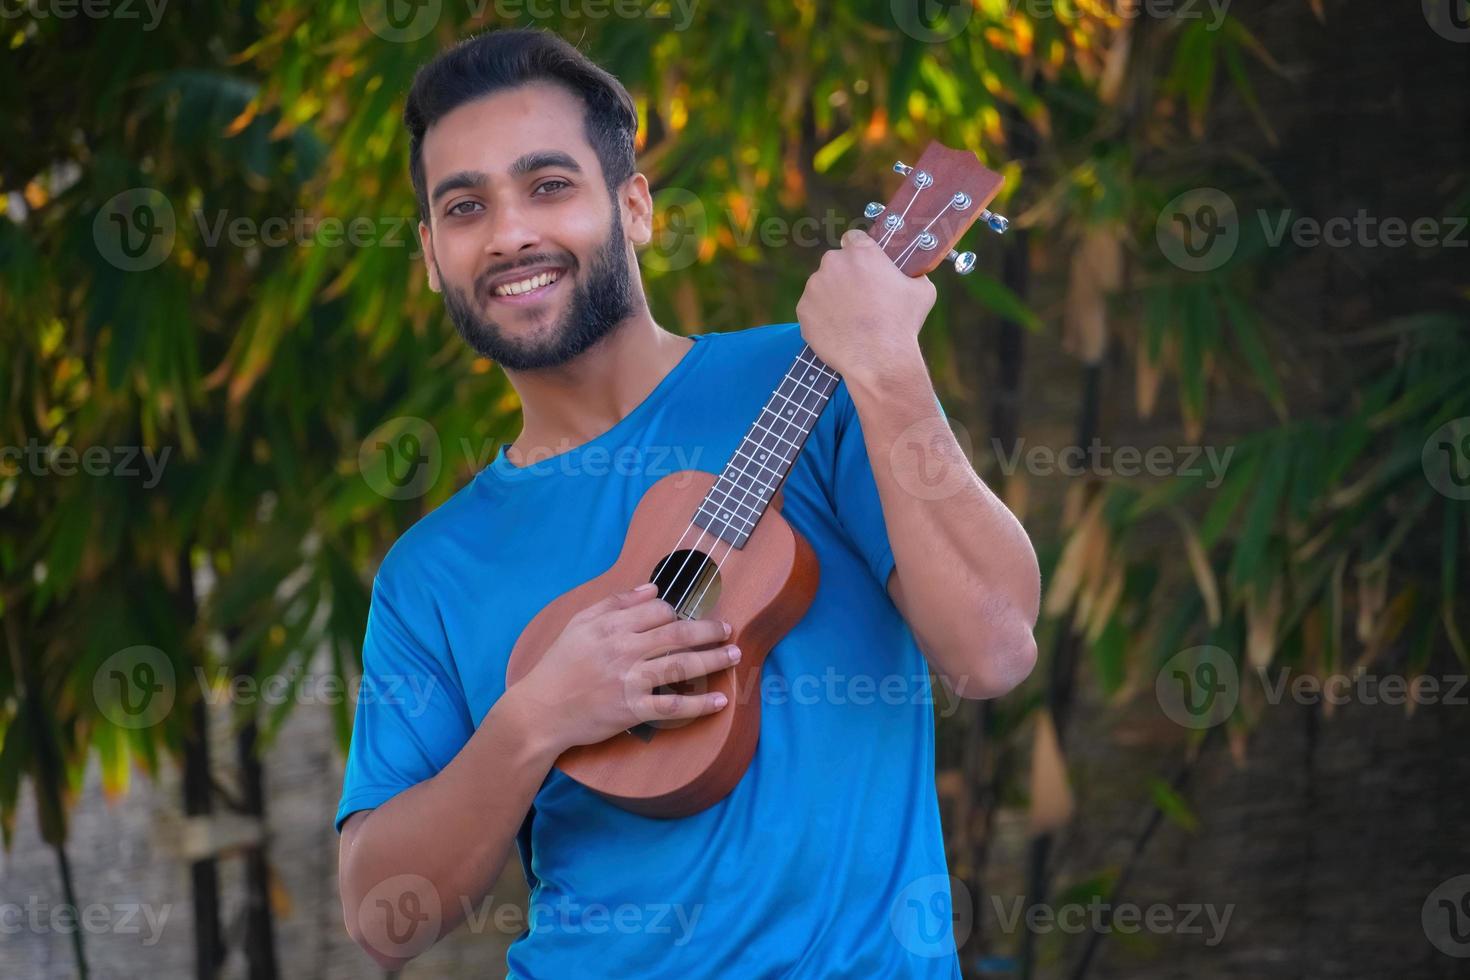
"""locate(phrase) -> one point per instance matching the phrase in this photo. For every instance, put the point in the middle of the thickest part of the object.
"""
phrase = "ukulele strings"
(720, 562)
(771, 488)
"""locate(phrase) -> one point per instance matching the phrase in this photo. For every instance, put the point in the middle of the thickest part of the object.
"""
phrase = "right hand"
(598, 677)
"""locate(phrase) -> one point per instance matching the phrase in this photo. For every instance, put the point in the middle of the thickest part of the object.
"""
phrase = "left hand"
(859, 313)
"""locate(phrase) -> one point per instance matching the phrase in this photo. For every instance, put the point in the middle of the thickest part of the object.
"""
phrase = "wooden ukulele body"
(762, 589)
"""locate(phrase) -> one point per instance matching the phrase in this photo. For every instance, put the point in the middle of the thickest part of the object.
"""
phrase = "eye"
(555, 183)
(455, 208)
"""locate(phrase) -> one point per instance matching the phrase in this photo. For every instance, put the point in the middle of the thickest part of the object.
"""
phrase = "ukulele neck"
(766, 454)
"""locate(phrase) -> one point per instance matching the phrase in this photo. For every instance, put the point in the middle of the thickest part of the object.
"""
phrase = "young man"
(827, 858)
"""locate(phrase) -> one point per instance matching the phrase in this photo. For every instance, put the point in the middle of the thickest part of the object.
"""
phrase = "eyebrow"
(527, 163)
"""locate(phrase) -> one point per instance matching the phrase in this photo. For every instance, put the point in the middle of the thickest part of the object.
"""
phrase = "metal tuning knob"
(873, 209)
(998, 222)
(964, 262)
(900, 167)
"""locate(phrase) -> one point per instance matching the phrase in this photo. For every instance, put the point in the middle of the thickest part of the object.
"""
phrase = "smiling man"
(827, 858)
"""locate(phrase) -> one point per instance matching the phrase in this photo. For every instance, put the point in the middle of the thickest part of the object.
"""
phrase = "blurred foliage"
(264, 368)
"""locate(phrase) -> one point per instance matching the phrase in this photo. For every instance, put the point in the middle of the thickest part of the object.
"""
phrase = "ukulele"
(737, 558)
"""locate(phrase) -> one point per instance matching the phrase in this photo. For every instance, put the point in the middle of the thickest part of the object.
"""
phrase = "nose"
(511, 232)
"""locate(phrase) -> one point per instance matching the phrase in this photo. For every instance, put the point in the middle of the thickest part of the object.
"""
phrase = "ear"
(637, 204)
(426, 242)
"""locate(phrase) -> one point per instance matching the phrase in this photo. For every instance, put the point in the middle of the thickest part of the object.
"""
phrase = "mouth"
(523, 288)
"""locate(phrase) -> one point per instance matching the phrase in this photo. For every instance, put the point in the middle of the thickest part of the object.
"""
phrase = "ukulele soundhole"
(689, 581)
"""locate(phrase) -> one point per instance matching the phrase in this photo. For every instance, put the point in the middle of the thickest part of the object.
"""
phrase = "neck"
(573, 403)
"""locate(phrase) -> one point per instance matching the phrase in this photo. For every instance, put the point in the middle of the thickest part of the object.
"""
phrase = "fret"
(770, 447)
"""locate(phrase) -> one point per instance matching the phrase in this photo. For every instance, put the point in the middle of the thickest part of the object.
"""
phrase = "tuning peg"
(964, 262)
(998, 222)
(873, 209)
(902, 168)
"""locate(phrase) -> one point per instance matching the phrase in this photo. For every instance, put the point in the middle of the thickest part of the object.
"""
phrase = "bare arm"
(411, 869)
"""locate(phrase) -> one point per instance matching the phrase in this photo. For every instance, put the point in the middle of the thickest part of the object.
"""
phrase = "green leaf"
(1173, 806)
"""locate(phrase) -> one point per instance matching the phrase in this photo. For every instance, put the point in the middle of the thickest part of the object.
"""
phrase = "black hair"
(504, 59)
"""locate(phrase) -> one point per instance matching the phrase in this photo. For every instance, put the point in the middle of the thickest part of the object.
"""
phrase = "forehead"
(490, 132)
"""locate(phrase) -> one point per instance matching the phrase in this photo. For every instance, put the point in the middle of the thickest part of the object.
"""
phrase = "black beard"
(599, 303)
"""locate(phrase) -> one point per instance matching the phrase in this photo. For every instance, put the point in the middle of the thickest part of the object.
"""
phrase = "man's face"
(523, 239)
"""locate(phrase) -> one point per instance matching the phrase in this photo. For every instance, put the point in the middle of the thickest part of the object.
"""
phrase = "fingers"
(678, 707)
(624, 599)
(686, 665)
(681, 634)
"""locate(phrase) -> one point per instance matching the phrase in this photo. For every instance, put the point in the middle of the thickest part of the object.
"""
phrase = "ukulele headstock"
(941, 197)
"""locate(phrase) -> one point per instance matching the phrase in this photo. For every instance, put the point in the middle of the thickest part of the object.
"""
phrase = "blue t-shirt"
(827, 859)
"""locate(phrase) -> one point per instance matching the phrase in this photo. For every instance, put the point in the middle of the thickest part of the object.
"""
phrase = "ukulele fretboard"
(753, 475)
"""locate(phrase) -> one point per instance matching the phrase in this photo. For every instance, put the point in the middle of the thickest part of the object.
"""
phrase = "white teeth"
(526, 285)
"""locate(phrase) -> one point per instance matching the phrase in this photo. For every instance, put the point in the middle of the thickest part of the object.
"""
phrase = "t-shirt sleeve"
(855, 498)
(411, 717)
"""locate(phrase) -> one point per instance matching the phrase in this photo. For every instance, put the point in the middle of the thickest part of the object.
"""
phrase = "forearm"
(443, 843)
(970, 582)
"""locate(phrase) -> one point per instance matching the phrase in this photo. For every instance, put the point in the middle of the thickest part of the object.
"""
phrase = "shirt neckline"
(503, 469)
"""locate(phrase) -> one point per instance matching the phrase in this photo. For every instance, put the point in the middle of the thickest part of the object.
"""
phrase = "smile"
(532, 286)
